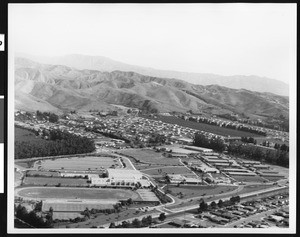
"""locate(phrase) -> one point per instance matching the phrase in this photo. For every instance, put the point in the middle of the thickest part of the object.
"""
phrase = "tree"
(129, 201)
(203, 206)
(112, 225)
(213, 204)
(87, 213)
(162, 217)
(136, 223)
(220, 203)
(125, 224)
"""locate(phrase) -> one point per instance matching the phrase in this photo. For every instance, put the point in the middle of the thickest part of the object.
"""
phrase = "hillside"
(253, 83)
(58, 88)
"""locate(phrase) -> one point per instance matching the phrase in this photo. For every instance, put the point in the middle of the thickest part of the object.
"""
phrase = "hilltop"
(58, 87)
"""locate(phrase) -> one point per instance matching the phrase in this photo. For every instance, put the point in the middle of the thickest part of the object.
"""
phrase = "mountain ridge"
(60, 88)
(101, 63)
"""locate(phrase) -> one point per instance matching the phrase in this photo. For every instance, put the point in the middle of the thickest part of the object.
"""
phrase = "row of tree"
(60, 143)
(136, 223)
(203, 206)
(248, 140)
(249, 151)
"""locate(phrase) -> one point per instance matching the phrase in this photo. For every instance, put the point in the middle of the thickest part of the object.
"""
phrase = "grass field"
(41, 181)
(92, 163)
(65, 215)
(273, 179)
(101, 219)
(77, 193)
(253, 188)
(150, 156)
(23, 135)
(197, 191)
(169, 170)
(205, 127)
(240, 178)
(43, 173)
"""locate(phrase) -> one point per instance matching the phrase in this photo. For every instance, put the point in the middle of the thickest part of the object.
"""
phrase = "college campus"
(169, 117)
(141, 172)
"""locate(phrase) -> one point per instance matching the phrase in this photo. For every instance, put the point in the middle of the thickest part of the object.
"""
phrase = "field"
(42, 173)
(205, 127)
(240, 178)
(88, 163)
(150, 156)
(102, 219)
(272, 179)
(41, 181)
(23, 135)
(197, 191)
(253, 188)
(76, 193)
(169, 170)
(65, 215)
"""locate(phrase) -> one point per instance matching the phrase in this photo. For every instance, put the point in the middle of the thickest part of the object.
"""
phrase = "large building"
(121, 178)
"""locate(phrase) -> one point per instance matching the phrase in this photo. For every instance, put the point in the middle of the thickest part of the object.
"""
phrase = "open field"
(204, 127)
(169, 170)
(88, 163)
(240, 178)
(150, 156)
(43, 173)
(197, 191)
(65, 215)
(41, 181)
(272, 179)
(76, 193)
(253, 188)
(23, 135)
(102, 218)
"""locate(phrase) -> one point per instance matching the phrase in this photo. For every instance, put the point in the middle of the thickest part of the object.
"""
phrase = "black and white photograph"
(151, 118)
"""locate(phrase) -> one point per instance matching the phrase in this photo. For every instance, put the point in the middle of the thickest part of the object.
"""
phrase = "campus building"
(121, 178)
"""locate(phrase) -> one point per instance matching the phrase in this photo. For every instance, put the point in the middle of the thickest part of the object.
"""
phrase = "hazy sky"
(225, 39)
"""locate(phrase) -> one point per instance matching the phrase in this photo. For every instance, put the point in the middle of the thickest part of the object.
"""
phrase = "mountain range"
(253, 83)
(59, 88)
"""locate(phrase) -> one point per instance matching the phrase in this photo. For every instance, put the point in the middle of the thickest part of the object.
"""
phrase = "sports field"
(48, 181)
(76, 193)
(150, 156)
(88, 163)
(169, 170)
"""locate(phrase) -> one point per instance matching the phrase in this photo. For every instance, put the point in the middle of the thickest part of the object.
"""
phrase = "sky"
(224, 39)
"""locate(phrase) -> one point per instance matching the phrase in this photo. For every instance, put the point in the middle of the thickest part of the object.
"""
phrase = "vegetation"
(277, 157)
(136, 223)
(203, 206)
(51, 117)
(214, 143)
(60, 143)
(32, 218)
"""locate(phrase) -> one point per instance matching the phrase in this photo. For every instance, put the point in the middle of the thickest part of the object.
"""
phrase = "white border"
(10, 184)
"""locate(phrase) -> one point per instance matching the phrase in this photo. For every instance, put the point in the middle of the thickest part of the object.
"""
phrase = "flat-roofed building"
(200, 149)
(121, 178)
(241, 173)
(124, 174)
(176, 178)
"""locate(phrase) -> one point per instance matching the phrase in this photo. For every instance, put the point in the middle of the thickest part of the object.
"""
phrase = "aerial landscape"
(105, 144)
